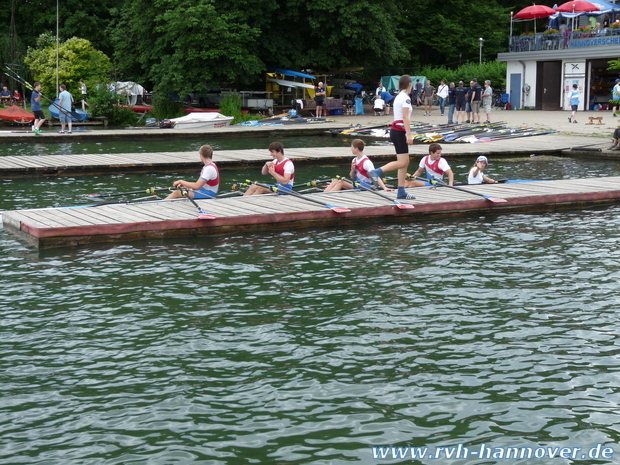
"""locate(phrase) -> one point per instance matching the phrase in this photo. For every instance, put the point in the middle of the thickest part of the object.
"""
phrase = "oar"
(441, 183)
(402, 206)
(301, 196)
(202, 215)
(150, 190)
(18, 78)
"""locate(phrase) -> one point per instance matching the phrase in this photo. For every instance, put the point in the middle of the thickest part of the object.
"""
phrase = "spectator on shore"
(487, 100)
(451, 102)
(442, 95)
(475, 98)
(429, 94)
(573, 98)
(615, 94)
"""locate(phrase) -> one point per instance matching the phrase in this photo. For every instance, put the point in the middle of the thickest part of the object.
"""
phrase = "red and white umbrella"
(535, 11)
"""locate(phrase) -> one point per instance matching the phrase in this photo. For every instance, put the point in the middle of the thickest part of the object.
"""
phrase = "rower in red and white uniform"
(207, 184)
(360, 166)
(281, 168)
(436, 167)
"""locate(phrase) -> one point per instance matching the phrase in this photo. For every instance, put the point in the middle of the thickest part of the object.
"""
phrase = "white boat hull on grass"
(202, 121)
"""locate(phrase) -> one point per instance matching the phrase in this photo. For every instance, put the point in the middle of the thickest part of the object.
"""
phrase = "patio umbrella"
(577, 6)
(534, 12)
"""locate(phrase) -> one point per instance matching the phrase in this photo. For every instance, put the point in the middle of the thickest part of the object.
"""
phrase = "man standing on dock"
(35, 104)
(65, 100)
(319, 98)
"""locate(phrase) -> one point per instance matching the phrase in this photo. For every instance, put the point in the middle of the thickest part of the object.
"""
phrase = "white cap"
(482, 158)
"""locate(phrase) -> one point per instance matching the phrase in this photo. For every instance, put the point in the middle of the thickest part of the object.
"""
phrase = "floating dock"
(58, 227)
(89, 164)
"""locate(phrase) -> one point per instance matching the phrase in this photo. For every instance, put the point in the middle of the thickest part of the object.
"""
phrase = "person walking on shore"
(574, 103)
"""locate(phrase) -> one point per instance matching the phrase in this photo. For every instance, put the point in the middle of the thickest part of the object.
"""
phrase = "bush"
(494, 71)
(231, 106)
(164, 108)
(102, 102)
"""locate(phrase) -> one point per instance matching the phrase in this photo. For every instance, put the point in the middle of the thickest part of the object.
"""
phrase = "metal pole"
(57, 45)
(510, 37)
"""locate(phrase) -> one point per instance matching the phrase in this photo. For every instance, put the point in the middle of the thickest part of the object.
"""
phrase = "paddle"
(441, 183)
(18, 78)
(301, 196)
(150, 190)
(202, 215)
(402, 206)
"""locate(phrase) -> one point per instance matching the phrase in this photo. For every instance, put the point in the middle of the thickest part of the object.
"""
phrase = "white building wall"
(527, 70)
(574, 72)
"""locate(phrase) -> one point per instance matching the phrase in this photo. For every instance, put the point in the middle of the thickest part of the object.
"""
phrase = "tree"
(183, 45)
(447, 33)
(78, 59)
(187, 45)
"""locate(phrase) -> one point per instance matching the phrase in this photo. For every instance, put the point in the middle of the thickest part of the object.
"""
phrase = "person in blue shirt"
(574, 103)
(35, 102)
(5, 94)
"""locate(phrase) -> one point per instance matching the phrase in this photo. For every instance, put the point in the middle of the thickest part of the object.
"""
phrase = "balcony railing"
(566, 39)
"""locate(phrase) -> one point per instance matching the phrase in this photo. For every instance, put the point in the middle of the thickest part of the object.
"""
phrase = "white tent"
(129, 89)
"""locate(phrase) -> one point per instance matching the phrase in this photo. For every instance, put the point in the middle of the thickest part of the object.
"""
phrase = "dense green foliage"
(165, 108)
(77, 59)
(187, 45)
(102, 102)
(494, 71)
(231, 106)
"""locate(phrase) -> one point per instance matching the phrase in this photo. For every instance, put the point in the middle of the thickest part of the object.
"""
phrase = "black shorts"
(460, 106)
(38, 114)
(319, 102)
(399, 139)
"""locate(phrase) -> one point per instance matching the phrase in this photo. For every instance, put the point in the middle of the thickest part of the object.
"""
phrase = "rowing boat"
(202, 121)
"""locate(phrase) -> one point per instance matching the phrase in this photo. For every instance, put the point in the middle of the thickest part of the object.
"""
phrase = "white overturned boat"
(202, 120)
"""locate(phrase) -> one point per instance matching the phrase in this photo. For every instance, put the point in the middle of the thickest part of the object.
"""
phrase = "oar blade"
(493, 199)
(337, 209)
(403, 206)
(206, 216)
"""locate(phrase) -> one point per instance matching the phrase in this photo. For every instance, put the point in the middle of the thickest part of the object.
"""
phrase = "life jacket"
(434, 166)
(279, 168)
(216, 181)
(359, 166)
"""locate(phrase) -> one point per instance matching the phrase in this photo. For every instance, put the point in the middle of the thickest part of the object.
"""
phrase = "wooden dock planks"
(54, 227)
(84, 164)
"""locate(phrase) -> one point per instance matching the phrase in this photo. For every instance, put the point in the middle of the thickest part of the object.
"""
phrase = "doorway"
(515, 91)
(549, 85)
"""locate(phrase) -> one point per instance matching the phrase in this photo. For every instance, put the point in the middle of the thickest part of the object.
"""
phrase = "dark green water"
(312, 346)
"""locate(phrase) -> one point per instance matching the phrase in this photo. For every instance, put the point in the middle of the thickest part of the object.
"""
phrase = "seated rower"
(435, 167)
(476, 175)
(207, 184)
(281, 168)
(360, 166)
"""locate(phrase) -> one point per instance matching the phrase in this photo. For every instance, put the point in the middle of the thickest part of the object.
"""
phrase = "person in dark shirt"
(476, 97)
(418, 92)
(461, 100)
(451, 102)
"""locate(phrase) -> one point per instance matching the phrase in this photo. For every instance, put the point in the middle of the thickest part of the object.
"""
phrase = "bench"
(596, 118)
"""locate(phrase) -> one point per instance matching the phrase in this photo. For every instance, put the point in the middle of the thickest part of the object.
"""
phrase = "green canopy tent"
(391, 82)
